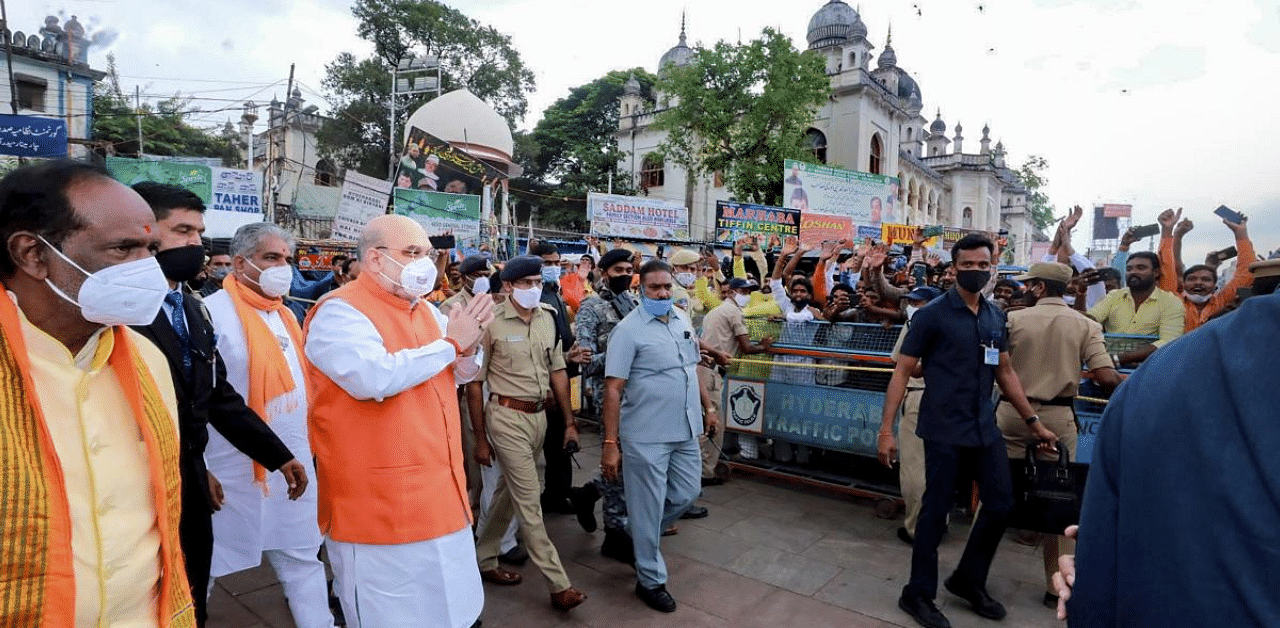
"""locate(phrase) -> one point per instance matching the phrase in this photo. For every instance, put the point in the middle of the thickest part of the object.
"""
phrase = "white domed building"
(872, 123)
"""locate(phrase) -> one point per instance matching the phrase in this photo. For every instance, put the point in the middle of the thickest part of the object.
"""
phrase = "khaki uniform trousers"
(1061, 421)
(911, 460)
(517, 438)
(713, 384)
(469, 464)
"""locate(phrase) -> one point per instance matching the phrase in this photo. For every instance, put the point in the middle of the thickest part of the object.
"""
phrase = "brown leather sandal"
(501, 577)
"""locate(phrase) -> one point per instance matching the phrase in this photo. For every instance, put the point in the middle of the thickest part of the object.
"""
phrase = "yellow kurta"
(115, 541)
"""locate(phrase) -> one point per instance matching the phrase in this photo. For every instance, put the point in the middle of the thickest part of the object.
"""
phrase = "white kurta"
(250, 523)
(428, 584)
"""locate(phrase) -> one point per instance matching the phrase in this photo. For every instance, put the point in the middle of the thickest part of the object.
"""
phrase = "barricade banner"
(734, 220)
(363, 199)
(619, 216)
(744, 406)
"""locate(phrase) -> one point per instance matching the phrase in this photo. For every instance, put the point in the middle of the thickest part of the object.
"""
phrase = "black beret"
(521, 267)
(473, 264)
(613, 257)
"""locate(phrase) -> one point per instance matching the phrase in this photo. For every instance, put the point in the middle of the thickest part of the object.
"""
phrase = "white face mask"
(480, 286)
(125, 294)
(911, 311)
(527, 298)
(686, 279)
(1198, 299)
(741, 299)
(275, 281)
(417, 277)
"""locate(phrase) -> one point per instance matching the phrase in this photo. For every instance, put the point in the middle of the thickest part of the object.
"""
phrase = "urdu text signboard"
(637, 217)
(32, 136)
(833, 200)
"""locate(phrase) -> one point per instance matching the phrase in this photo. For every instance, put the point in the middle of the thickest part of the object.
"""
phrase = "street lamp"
(410, 76)
(247, 119)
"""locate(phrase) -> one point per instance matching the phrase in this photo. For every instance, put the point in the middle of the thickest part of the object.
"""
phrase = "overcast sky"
(1157, 103)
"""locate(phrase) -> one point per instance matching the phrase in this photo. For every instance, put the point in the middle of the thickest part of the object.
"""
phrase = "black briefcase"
(1046, 495)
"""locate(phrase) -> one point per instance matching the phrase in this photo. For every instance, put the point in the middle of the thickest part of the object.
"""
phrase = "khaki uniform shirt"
(1048, 344)
(913, 383)
(459, 299)
(722, 326)
(682, 298)
(519, 357)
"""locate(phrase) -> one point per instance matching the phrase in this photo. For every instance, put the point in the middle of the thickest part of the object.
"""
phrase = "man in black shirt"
(961, 339)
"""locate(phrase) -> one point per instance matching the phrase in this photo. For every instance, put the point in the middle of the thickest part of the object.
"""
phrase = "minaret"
(886, 67)
(959, 140)
(986, 140)
(631, 103)
(937, 142)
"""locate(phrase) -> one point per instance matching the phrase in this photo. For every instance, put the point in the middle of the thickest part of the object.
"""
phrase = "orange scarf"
(269, 375)
(37, 581)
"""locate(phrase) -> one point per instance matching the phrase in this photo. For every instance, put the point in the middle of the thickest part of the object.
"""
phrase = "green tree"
(1031, 175)
(165, 130)
(740, 110)
(472, 56)
(573, 150)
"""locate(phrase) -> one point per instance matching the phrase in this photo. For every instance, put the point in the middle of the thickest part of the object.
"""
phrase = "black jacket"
(207, 398)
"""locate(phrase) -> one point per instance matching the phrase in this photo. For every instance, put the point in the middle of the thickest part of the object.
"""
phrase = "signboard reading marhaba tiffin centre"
(833, 201)
(735, 220)
(619, 216)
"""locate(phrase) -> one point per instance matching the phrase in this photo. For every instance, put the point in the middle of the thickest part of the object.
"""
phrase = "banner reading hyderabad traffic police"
(636, 217)
(734, 220)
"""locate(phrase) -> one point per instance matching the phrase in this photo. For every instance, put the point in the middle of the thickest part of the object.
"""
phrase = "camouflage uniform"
(597, 316)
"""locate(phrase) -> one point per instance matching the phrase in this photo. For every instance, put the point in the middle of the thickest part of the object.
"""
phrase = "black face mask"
(619, 284)
(800, 303)
(182, 263)
(973, 280)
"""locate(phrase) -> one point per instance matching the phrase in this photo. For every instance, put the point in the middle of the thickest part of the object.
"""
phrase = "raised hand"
(1072, 218)
(791, 246)
(1184, 227)
(1167, 219)
(1241, 229)
(1127, 239)
(467, 324)
(828, 250)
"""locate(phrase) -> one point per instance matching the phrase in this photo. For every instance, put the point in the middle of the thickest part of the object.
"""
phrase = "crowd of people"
(388, 416)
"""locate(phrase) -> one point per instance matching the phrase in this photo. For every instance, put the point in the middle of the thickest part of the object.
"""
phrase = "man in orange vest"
(387, 436)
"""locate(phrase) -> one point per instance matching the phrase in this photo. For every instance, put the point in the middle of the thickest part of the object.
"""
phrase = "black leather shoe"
(617, 545)
(657, 598)
(712, 481)
(922, 610)
(557, 505)
(977, 596)
(695, 512)
(584, 500)
(515, 556)
(905, 536)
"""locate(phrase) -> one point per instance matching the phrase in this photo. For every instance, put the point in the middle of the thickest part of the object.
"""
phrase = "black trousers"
(195, 531)
(942, 463)
(559, 472)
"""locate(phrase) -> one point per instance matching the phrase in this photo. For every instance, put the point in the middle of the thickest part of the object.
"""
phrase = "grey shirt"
(658, 360)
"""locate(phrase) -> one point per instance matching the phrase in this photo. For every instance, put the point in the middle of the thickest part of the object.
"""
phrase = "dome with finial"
(938, 126)
(834, 24)
(632, 86)
(888, 58)
(986, 131)
(679, 55)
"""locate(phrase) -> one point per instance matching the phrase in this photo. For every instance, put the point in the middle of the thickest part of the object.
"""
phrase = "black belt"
(1056, 401)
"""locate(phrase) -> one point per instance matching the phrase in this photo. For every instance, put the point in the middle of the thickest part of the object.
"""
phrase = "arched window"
(326, 174)
(816, 142)
(652, 171)
(877, 154)
(968, 218)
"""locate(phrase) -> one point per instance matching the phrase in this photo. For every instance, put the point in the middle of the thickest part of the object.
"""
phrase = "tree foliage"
(741, 109)
(165, 130)
(573, 150)
(471, 55)
(1031, 175)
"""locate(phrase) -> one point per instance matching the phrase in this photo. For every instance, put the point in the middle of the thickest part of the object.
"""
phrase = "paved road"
(770, 554)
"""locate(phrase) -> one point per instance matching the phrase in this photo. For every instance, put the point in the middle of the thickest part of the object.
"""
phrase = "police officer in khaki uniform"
(522, 365)
(474, 269)
(1048, 343)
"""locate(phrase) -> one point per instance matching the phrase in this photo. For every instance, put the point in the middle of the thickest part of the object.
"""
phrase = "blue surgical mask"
(550, 274)
(656, 307)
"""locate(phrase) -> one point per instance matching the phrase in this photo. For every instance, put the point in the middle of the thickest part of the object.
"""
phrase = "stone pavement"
(770, 554)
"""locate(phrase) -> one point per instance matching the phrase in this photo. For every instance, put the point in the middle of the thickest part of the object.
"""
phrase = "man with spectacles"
(386, 434)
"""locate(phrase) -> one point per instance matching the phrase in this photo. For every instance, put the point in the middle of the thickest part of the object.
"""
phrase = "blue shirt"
(957, 407)
(1181, 518)
(661, 403)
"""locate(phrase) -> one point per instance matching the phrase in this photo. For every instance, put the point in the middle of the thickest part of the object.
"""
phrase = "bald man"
(387, 436)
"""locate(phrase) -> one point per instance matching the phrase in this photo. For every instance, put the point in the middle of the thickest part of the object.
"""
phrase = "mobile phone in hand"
(1229, 215)
(1227, 253)
(932, 231)
(442, 242)
(1145, 231)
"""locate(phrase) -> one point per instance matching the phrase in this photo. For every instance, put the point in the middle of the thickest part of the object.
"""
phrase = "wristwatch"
(1032, 419)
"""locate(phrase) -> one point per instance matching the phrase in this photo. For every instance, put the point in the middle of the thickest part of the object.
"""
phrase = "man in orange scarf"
(387, 438)
(88, 416)
(261, 343)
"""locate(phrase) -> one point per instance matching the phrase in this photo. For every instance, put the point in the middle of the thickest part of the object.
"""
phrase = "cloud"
(1163, 65)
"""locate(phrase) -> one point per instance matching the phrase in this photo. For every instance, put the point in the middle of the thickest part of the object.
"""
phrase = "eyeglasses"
(413, 252)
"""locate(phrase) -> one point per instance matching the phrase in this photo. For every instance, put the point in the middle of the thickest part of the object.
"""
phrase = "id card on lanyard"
(990, 353)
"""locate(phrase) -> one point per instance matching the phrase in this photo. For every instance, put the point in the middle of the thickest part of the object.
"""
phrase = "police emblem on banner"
(744, 406)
